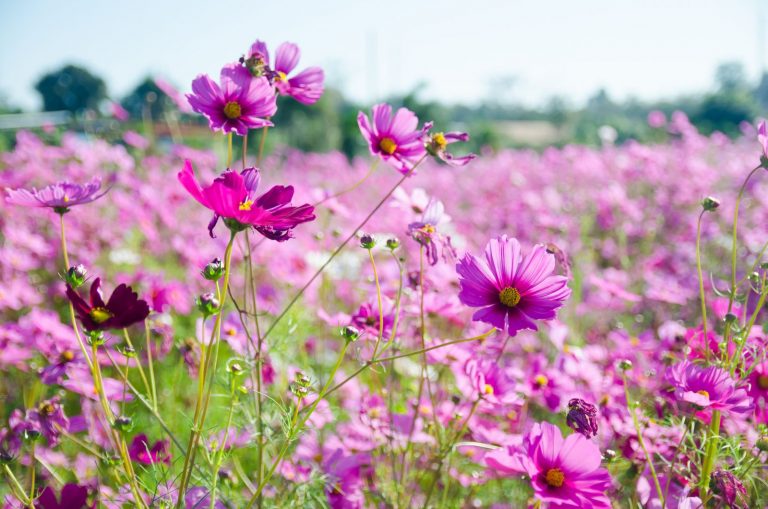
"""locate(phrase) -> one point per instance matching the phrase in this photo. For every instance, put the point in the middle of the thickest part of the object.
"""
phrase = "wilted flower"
(708, 387)
(731, 489)
(582, 417)
(232, 196)
(239, 103)
(395, 139)
(563, 472)
(60, 196)
(511, 291)
(124, 308)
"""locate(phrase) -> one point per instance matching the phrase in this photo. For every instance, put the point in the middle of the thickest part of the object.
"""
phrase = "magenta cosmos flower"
(511, 291)
(708, 387)
(239, 103)
(395, 139)
(123, 308)
(437, 145)
(564, 472)
(232, 196)
(306, 87)
(59, 196)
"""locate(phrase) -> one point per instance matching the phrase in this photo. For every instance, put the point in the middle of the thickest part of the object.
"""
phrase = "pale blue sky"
(461, 49)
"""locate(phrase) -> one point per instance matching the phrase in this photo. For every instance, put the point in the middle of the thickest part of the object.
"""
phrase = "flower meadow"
(571, 328)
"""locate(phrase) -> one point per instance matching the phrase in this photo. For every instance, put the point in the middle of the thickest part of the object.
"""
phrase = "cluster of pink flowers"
(567, 365)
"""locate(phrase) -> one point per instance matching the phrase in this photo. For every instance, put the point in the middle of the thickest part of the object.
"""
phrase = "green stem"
(702, 295)
(381, 307)
(151, 365)
(338, 250)
(261, 145)
(711, 456)
(641, 441)
(229, 150)
(16, 488)
(32, 496)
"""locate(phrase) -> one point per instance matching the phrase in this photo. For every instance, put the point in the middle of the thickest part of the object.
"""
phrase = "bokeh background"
(512, 73)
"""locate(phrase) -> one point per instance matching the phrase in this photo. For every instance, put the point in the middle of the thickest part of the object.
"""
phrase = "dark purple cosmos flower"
(395, 139)
(73, 496)
(123, 308)
(731, 489)
(140, 451)
(511, 291)
(708, 387)
(564, 473)
(232, 196)
(437, 145)
(426, 231)
(306, 87)
(582, 417)
(47, 419)
(239, 103)
(59, 196)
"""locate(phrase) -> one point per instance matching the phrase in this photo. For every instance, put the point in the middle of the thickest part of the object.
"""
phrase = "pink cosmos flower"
(232, 196)
(59, 196)
(239, 103)
(511, 291)
(306, 86)
(395, 139)
(437, 145)
(762, 137)
(564, 472)
(708, 387)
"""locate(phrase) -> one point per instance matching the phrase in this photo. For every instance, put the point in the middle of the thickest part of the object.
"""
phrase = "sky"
(460, 51)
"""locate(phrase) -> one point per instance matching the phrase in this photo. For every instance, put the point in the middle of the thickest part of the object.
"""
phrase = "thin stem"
(711, 456)
(138, 363)
(641, 441)
(338, 250)
(32, 477)
(245, 147)
(229, 150)
(381, 307)
(151, 365)
(18, 490)
(65, 254)
(349, 189)
(702, 295)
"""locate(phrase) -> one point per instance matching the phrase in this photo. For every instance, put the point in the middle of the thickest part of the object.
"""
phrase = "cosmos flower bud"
(625, 364)
(30, 434)
(213, 270)
(303, 379)
(754, 278)
(393, 243)
(710, 203)
(582, 417)
(350, 333)
(75, 276)
(235, 367)
(367, 241)
(730, 488)
(609, 455)
(299, 390)
(123, 424)
(208, 304)
(95, 337)
(731, 318)
(126, 350)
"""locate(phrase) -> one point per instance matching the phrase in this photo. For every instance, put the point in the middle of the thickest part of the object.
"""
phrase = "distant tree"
(71, 88)
(147, 96)
(731, 77)
(761, 92)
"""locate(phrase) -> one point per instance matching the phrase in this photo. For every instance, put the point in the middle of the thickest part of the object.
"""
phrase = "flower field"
(575, 327)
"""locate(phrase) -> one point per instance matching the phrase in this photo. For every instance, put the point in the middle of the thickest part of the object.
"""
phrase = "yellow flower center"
(703, 393)
(541, 380)
(554, 477)
(488, 389)
(281, 76)
(439, 141)
(428, 228)
(232, 110)
(762, 381)
(46, 409)
(100, 315)
(388, 145)
(509, 296)
(66, 198)
(67, 355)
(231, 331)
(246, 205)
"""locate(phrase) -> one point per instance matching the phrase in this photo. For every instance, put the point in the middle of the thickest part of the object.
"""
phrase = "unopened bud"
(625, 364)
(303, 379)
(213, 270)
(350, 333)
(123, 424)
(393, 243)
(710, 203)
(208, 304)
(75, 276)
(367, 241)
